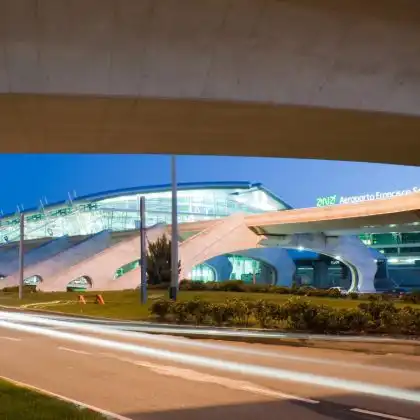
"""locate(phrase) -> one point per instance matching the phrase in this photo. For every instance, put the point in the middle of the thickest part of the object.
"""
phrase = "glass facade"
(394, 238)
(32, 280)
(245, 269)
(119, 211)
(202, 272)
(394, 244)
(80, 284)
(126, 268)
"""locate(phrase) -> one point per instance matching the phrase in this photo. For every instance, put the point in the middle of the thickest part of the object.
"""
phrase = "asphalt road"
(145, 376)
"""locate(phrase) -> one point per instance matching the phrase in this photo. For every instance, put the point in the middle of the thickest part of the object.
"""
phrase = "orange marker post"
(100, 300)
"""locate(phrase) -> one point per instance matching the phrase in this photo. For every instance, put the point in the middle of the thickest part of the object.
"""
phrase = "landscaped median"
(20, 403)
(296, 314)
(125, 304)
(250, 307)
(234, 303)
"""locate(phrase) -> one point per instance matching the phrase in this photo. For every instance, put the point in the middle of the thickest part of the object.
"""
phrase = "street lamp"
(21, 252)
(173, 291)
(143, 259)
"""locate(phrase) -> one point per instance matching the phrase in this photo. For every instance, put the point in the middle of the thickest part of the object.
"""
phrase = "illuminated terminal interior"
(118, 211)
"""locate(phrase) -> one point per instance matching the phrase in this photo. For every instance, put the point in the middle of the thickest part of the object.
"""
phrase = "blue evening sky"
(27, 178)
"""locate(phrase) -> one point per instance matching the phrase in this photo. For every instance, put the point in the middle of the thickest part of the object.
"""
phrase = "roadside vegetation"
(17, 403)
(126, 305)
(234, 303)
(300, 314)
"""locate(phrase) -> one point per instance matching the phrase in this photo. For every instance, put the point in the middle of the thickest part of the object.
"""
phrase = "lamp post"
(173, 291)
(21, 253)
(143, 259)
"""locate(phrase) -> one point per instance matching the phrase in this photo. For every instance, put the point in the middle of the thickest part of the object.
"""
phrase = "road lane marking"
(10, 338)
(107, 414)
(193, 375)
(74, 351)
(380, 415)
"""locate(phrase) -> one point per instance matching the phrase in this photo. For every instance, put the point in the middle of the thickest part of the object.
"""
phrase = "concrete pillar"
(279, 259)
(345, 277)
(349, 249)
(382, 272)
(268, 274)
(222, 267)
(321, 279)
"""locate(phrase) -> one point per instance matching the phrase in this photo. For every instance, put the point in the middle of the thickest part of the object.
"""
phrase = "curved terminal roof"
(242, 185)
(231, 188)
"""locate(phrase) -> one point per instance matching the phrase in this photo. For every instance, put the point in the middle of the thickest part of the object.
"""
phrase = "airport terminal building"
(63, 239)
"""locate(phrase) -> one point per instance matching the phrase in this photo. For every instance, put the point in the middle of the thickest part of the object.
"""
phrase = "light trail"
(226, 366)
(109, 330)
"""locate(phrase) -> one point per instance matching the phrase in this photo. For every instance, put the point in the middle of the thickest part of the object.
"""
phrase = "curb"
(365, 344)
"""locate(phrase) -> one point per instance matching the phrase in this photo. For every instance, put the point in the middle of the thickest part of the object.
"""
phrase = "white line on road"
(380, 415)
(74, 351)
(10, 338)
(193, 375)
(105, 413)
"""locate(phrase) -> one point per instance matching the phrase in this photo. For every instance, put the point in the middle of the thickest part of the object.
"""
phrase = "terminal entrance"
(80, 284)
(233, 267)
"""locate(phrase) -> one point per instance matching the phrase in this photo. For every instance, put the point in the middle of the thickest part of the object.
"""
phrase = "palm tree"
(158, 259)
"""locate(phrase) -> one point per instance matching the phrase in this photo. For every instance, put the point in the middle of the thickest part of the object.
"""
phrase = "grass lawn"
(126, 304)
(18, 403)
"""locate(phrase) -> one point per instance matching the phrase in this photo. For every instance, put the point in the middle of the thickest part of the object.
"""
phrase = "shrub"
(334, 293)
(409, 321)
(161, 308)
(221, 313)
(267, 313)
(193, 285)
(233, 286)
(354, 295)
(413, 297)
(15, 289)
(180, 311)
(241, 311)
(281, 290)
(356, 320)
(297, 313)
(198, 309)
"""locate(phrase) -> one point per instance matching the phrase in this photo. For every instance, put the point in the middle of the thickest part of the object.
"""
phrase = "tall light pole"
(143, 259)
(21, 252)
(173, 291)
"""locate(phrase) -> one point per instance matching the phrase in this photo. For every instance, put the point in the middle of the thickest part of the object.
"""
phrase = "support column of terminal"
(321, 278)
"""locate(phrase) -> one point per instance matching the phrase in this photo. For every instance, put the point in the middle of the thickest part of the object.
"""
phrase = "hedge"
(240, 286)
(15, 289)
(297, 314)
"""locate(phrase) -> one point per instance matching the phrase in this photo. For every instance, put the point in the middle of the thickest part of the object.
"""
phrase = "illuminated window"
(202, 272)
(80, 283)
(245, 269)
(127, 268)
(32, 280)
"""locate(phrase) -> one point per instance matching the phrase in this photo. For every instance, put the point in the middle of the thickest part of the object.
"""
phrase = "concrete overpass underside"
(325, 79)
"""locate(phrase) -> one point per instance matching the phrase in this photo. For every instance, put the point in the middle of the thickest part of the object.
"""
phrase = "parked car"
(342, 290)
(397, 291)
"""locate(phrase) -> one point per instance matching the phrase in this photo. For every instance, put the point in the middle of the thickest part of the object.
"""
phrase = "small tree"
(159, 261)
